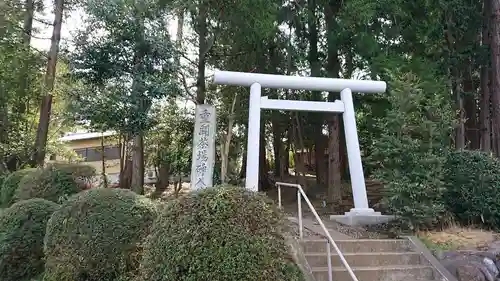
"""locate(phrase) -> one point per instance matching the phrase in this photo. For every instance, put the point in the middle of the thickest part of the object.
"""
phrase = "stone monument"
(203, 158)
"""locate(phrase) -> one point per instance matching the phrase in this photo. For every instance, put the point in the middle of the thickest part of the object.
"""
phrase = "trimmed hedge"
(21, 238)
(54, 182)
(9, 186)
(224, 233)
(96, 235)
(473, 187)
(82, 174)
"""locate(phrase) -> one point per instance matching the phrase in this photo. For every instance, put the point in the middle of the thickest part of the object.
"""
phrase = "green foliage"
(2, 178)
(223, 233)
(127, 67)
(21, 75)
(97, 235)
(169, 142)
(473, 187)
(410, 152)
(82, 174)
(10, 185)
(21, 238)
(54, 182)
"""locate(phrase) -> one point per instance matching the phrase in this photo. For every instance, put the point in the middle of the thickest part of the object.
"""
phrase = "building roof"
(86, 136)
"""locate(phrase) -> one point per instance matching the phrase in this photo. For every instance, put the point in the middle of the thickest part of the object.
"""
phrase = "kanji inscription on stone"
(202, 168)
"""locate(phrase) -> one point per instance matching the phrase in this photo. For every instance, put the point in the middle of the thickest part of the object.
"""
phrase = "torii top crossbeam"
(297, 82)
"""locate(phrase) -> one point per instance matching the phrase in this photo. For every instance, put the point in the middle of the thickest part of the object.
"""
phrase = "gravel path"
(356, 232)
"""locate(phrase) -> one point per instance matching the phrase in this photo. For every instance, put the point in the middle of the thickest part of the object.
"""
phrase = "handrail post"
(299, 209)
(279, 195)
(330, 242)
(329, 261)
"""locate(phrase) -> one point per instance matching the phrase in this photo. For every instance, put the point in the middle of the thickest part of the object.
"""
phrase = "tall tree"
(127, 68)
(485, 113)
(495, 75)
(46, 104)
(333, 66)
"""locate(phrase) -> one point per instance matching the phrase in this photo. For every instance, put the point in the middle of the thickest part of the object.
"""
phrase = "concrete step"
(366, 259)
(358, 245)
(377, 273)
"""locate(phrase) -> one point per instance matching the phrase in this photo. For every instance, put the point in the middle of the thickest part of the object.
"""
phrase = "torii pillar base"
(360, 217)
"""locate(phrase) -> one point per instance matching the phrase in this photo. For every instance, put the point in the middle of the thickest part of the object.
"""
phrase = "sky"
(70, 25)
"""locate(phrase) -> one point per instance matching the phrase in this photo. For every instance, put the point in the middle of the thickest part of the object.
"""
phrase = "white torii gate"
(345, 106)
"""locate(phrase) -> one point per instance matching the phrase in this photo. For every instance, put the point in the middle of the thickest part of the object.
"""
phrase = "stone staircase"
(370, 259)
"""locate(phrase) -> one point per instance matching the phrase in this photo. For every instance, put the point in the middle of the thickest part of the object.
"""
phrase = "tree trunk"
(103, 164)
(317, 118)
(320, 155)
(460, 133)
(126, 174)
(349, 70)
(178, 185)
(121, 144)
(179, 35)
(3, 135)
(227, 142)
(495, 85)
(285, 159)
(335, 176)
(470, 111)
(263, 165)
(298, 157)
(243, 170)
(46, 105)
(23, 83)
(457, 90)
(162, 182)
(291, 136)
(137, 181)
(28, 21)
(333, 69)
(485, 113)
(276, 118)
(202, 29)
(278, 146)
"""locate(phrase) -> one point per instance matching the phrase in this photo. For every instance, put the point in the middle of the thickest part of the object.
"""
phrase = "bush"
(54, 183)
(224, 233)
(473, 187)
(2, 178)
(96, 235)
(21, 238)
(408, 156)
(9, 186)
(82, 174)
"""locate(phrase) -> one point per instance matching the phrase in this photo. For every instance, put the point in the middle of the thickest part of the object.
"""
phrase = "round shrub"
(82, 174)
(53, 183)
(21, 238)
(9, 186)
(224, 233)
(473, 187)
(97, 235)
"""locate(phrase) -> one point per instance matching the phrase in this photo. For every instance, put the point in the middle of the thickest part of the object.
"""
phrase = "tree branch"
(43, 21)
(184, 56)
(187, 88)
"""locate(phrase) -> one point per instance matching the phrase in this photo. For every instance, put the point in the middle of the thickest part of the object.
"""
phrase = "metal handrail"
(301, 194)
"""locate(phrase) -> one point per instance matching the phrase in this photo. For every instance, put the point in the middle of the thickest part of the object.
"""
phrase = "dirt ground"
(458, 238)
